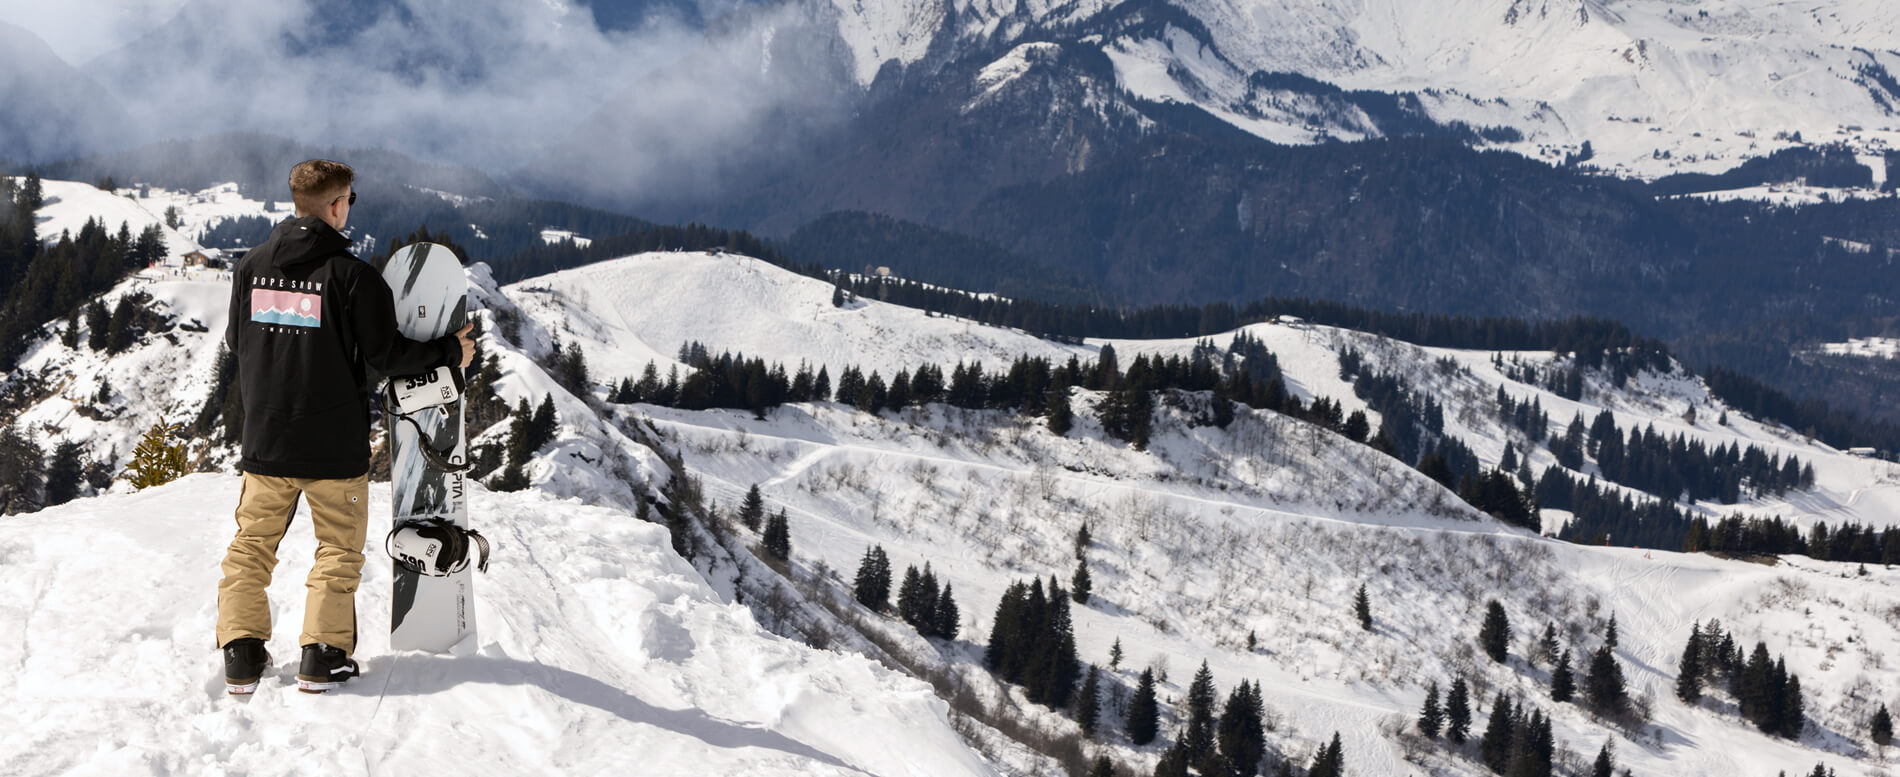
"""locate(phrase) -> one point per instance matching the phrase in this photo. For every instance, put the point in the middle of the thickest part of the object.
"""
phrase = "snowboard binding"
(435, 547)
(403, 396)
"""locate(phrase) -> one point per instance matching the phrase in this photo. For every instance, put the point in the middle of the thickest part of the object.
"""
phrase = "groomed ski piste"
(602, 652)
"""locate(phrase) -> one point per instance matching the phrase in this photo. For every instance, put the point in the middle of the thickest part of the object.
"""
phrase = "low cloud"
(497, 84)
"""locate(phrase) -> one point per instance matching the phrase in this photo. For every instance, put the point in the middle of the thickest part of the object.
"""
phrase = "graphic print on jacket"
(289, 308)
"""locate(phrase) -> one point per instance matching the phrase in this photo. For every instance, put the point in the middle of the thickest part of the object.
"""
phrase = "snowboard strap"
(434, 547)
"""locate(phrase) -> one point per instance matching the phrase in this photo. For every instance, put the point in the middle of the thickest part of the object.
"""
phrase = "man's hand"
(468, 346)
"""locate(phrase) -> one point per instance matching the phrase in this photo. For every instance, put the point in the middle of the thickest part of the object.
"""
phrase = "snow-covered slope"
(1262, 529)
(601, 648)
(1655, 86)
(600, 652)
(70, 204)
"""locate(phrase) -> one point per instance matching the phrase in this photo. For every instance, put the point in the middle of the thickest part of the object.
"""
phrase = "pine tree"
(1143, 713)
(1056, 667)
(752, 511)
(1357, 427)
(1547, 647)
(948, 619)
(1431, 719)
(1115, 654)
(1605, 763)
(679, 526)
(1689, 669)
(1495, 746)
(1173, 762)
(996, 657)
(1082, 541)
(1080, 584)
(1793, 718)
(1103, 767)
(1330, 761)
(156, 462)
(98, 326)
(1362, 608)
(1090, 704)
(1563, 682)
(66, 474)
(1609, 633)
(1458, 711)
(1604, 687)
(1061, 416)
(22, 486)
(544, 425)
(1242, 729)
(908, 595)
(1495, 635)
(119, 334)
(778, 537)
(872, 587)
(1199, 736)
(69, 337)
(1880, 730)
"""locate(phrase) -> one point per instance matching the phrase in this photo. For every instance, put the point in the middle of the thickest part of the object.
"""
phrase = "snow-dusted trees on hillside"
(872, 586)
(777, 538)
(1494, 636)
(1880, 729)
(931, 612)
(1031, 642)
(1144, 714)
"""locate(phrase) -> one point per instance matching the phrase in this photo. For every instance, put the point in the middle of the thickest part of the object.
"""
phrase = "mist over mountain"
(489, 84)
(52, 110)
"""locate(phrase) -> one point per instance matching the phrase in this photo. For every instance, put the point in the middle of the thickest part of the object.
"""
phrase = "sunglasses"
(352, 199)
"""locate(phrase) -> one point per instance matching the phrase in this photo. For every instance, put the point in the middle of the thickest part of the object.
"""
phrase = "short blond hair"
(316, 183)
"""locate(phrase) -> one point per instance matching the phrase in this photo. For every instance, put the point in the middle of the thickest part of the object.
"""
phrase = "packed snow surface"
(600, 652)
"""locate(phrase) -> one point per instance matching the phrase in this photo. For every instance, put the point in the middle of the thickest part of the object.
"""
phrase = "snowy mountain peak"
(1655, 87)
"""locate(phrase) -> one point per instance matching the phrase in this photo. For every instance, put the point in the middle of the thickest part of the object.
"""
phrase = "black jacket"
(309, 322)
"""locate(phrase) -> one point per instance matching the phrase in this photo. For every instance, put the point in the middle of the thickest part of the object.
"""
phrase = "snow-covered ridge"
(1655, 86)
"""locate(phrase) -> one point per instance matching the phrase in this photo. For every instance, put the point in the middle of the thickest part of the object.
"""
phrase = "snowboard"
(431, 291)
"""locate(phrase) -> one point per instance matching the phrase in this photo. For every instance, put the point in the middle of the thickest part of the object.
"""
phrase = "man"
(310, 326)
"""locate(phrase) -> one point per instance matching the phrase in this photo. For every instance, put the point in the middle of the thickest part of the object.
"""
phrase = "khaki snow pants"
(339, 509)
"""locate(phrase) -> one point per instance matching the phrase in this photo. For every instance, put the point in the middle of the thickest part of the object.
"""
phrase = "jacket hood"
(305, 241)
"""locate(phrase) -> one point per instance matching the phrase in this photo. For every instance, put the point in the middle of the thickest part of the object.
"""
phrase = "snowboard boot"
(324, 668)
(244, 662)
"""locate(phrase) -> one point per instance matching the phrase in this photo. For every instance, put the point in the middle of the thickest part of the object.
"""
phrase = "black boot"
(244, 662)
(324, 668)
